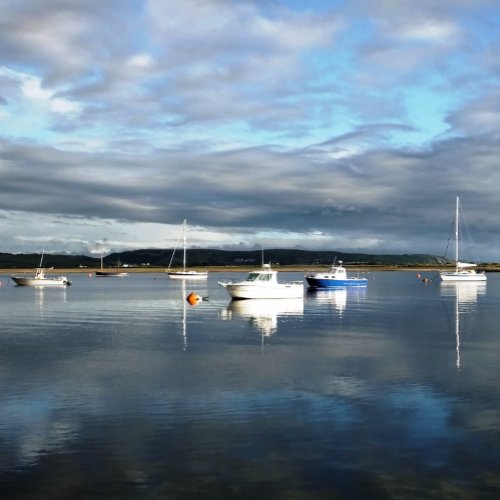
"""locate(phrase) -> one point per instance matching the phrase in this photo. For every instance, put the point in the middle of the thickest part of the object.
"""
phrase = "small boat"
(39, 279)
(185, 273)
(110, 274)
(464, 271)
(263, 284)
(336, 276)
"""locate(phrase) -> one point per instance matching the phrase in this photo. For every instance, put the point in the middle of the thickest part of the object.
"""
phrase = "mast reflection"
(466, 295)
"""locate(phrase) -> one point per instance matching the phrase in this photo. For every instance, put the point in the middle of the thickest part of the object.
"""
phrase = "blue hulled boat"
(336, 276)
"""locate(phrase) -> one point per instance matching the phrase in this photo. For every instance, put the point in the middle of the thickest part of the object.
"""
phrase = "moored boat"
(336, 276)
(110, 274)
(39, 279)
(464, 271)
(185, 273)
(263, 284)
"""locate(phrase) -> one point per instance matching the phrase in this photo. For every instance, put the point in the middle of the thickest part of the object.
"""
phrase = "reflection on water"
(121, 389)
(58, 294)
(185, 288)
(264, 313)
(338, 297)
(465, 292)
(184, 314)
(465, 296)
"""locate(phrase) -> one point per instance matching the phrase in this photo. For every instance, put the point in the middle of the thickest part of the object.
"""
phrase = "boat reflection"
(466, 295)
(43, 294)
(337, 297)
(264, 313)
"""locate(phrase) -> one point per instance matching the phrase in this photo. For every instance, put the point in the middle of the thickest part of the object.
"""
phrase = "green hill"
(214, 257)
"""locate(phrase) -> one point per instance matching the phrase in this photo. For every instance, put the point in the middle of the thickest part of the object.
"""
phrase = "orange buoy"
(193, 298)
(418, 275)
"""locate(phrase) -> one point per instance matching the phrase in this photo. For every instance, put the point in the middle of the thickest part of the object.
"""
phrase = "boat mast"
(40, 265)
(456, 233)
(184, 244)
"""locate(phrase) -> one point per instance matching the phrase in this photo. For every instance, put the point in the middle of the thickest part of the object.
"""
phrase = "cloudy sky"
(323, 124)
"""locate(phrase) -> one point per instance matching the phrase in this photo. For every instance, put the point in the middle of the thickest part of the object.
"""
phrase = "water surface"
(118, 388)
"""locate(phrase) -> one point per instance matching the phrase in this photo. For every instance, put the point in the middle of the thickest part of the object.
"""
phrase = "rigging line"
(208, 298)
(467, 235)
(173, 253)
(449, 238)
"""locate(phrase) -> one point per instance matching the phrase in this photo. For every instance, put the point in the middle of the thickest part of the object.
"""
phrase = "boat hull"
(462, 277)
(111, 274)
(324, 281)
(240, 291)
(27, 281)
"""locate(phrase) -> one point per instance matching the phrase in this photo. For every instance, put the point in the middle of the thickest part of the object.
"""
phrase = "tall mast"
(184, 244)
(456, 232)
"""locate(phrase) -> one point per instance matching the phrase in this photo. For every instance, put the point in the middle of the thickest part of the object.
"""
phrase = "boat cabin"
(266, 274)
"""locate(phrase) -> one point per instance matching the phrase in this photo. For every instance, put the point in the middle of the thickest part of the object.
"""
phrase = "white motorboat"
(185, 273)
(263, 284)
(39, 279)
(464, 271)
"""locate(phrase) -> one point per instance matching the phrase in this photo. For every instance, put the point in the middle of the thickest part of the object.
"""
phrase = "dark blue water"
(117, 388)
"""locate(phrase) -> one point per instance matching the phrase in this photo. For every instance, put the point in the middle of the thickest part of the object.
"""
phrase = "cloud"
(253, 120)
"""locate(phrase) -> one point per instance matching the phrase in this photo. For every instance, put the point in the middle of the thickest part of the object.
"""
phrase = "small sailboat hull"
(111, 274)
(463, 276)
(187, 275)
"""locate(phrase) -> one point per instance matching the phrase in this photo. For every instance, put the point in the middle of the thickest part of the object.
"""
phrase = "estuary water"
(118, 389)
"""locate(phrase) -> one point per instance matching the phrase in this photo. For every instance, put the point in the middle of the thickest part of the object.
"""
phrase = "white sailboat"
(185, 273)
(464, 271)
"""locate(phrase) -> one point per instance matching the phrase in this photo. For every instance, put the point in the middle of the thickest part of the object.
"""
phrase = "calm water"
(117, 389)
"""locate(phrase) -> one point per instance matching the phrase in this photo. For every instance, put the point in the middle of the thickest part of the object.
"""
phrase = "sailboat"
(464, 271)
(110, 274)
(185, 273)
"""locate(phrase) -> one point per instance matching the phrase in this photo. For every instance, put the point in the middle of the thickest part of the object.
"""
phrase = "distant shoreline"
(492, 268)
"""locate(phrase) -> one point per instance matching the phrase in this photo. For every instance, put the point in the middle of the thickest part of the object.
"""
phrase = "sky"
(316, 124)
